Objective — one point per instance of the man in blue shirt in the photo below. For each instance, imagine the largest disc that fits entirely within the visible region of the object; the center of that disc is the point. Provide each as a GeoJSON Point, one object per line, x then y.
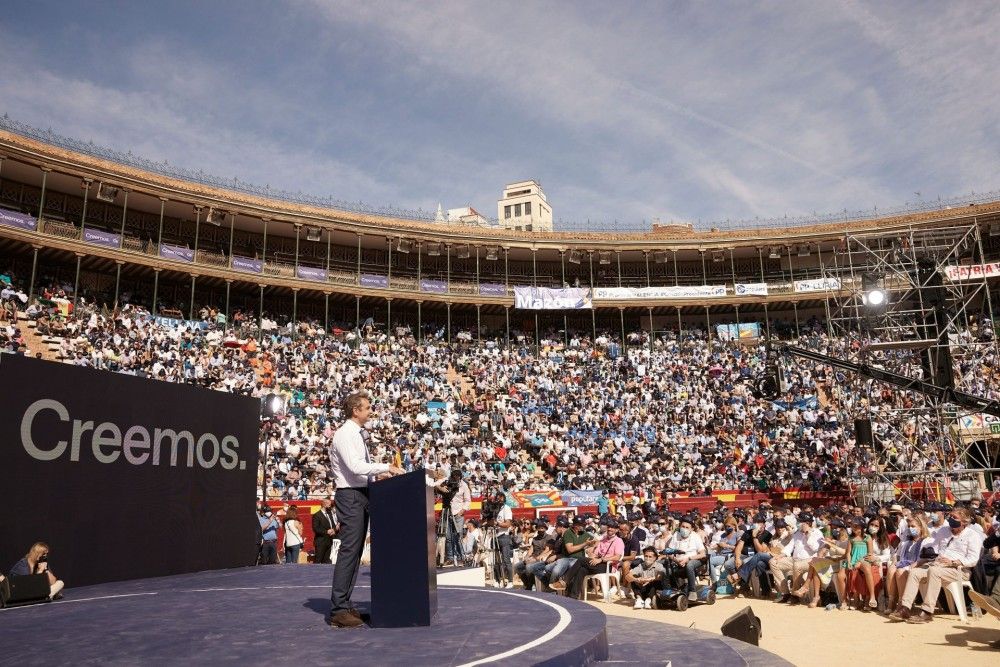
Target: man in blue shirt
{"type": "Point", "coordinates": [602, 503]}
{"type": "Point", "coordinates": [269, 536]}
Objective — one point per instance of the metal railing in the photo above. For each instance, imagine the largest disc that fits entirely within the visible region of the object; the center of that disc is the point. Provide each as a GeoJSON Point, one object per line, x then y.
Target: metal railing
{"type": "Point", "coordinates": [134, 245]}
{"type": "Point", "coordinates": [164, 168]}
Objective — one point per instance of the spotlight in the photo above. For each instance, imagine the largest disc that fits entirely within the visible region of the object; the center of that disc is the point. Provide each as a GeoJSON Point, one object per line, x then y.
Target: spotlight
{"type": "Point", "coordinates": [215, 217]}
{"type": "Point", "coordinates": [573, 257]}
{"type": "Point", "coordinates": [271, 406]}
{"type": "Point", "coordinates": [106, 192]}
{"type": "Point", "coordinates": [767, 386]}
{"type": "Point", "coordinates": [313, 233]}
{"type": "Point", "coordinates": [873, 294]}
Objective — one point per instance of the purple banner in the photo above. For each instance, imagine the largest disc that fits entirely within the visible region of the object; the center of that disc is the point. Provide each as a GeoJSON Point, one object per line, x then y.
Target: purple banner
{"type": "Point", "coordinates": [437, 286]}
{"type": "Point", "coordinates": [99, 237]}
{"type": "Point", "coordinates": [179, 253]}
{"type": "Point", "coordinates": [492, 289]}
{"type": "Point", "coordinates": [368, 280]}
{"type": "Point", "coordinates": [247, 265]}
{"type": "Point", "coordinates": [19, 220]}
{"type": "Point", "coordinates": [311, 273]}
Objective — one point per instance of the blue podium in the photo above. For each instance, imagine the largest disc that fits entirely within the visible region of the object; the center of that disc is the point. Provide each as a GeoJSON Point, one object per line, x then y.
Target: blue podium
{"type": "Point", "coordinates": [403, 545]}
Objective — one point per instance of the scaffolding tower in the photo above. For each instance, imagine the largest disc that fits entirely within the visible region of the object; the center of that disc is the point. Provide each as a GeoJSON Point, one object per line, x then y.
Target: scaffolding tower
{"type": "Point", "coordinates": [932, 324]}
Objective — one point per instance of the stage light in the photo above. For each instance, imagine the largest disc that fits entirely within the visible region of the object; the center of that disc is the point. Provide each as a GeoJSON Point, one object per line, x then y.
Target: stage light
{"type": "Point", "coordinates": [873, 294]}
{"type": "Point", "coordinates": [106, 192]}
{"type": "Point", "coordinates": [215, 217]}
{"type": "Point", "coordinates": [271, 406]}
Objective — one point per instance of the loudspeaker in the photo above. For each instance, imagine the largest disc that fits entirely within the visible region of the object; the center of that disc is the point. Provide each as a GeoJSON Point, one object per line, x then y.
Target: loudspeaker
{"type": "Point", "coordinates": [25, 589]}
{"type": "Point", "coordinates": [743, 625]}
{"type": "Point", "coordinates": [863, 432]}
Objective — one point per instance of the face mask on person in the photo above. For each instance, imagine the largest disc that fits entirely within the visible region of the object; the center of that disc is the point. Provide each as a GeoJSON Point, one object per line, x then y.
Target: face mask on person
{"type": "Point", "coordinates": [267, 514]}
{"type": "Point", "coordinates": [718, 525]}
{"type": "Point", "coordinates": [914, 532]}
{"type": "Point", "coordinates": [954, 523]}
{"type": "Point", "coordinates": [934, 520]}
{"type": "Point", "coordinates": [685, 532]}
{"type": "Point", "coordinates": [873, 530]}
{"type": "Point", "coordinates": [835, 532]}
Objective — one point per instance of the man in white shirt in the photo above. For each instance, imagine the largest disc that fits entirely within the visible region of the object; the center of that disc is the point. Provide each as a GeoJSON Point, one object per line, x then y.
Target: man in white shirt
{"type": "Point", "coordinates": [694, 555]}
{"type": "Point", "coordinates": [792, 566]}
{"type": "Point", "coordinates": [351, 467]}
{"type": "Point", "coordinates": [954, 563]}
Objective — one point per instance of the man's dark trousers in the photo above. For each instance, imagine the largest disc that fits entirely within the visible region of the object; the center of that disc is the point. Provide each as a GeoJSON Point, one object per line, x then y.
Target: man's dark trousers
{"type": "Point", "coordinates": [352, 510]}
{"type": "Point", "coordinates": [323, 544]}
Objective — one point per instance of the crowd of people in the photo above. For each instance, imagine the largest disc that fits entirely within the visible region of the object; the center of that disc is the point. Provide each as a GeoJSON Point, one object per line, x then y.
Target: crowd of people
{"type": "Point", "coordinates": [677, 413]}
{"type": "Point", "coordinates": [876, 558]}
{"type": "Point", "coordinates": [647, 417]}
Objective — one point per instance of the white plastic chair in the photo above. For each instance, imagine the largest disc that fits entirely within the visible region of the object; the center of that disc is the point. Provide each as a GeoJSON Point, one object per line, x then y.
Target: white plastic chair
{"type": "Point", "coordinates": [604, 578]}
{"type": "Point", "coordinates": [955, 595]}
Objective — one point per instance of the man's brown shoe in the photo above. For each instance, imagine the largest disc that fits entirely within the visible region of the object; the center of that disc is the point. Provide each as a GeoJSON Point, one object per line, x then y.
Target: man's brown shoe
{"type": "Point", "coordinates": [345, 619]}
{"type": "Point", "coordinates": [557, 585]}
{"type": "Point", "coordinates": [922, 617]}
{"type": "Point", "coordinates": [901, 614]}
{"type": "Point", "coordinates": [354, 612]}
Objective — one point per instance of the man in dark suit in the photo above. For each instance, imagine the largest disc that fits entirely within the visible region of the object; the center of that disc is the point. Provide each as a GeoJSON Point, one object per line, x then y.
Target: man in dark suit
{"type": "Point", "coordinates": [325, 527]}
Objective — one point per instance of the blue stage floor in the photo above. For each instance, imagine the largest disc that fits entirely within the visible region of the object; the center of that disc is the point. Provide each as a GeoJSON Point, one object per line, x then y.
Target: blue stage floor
{"type": "Point", "coordinates": [275, 615]}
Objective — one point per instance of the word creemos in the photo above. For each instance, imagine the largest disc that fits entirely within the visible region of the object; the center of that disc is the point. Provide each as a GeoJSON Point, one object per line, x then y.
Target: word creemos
{"type": "Point", "coordinates": [108, 443]}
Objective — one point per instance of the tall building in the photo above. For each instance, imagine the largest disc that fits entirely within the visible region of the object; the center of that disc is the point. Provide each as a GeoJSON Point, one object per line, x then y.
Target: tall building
{"type": "Point", "coordinates": [523, 207]}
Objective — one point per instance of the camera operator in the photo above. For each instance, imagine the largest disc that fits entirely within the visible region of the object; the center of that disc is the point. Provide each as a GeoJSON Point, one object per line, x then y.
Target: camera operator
{"type": "Point", "coordinates": [269, 536]}
{"type": "Point", "coordinates": [36, 561]}
{"type": "Point", "coordinates": [456, 498]}
{"type": "Point", "coordinates": [500, 518]}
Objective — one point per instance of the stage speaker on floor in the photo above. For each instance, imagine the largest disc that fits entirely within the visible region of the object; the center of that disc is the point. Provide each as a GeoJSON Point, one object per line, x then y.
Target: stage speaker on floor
{"type": "Point", "coordinates": [863, 432]}
{"type": "Point", "coordinates": [743, 625]}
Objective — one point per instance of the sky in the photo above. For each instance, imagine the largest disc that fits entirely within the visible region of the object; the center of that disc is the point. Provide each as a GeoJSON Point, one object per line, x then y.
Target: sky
{"type": "Point", "coordinates": [624, 112]}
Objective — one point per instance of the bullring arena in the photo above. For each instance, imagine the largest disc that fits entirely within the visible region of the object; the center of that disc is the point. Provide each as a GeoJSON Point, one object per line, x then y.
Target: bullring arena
{"type": "Point", "coordinates": [252, 289]}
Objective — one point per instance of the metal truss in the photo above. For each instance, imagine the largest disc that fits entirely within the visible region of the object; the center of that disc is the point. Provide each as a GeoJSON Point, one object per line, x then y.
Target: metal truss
{"type": "Point", "coordinates": [919, 437]}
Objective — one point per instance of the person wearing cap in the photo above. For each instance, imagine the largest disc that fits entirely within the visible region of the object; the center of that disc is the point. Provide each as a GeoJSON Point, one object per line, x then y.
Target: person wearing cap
{"type": "Point", "coordinates": [535, 548]}
{"type": "Point", "coordinates": [954, 563]}
{"type": "Point", "coordinates": [791, 568]}
{"type": "Point", "coordinates": [693, 554]}
{"type": "Point", "coordinates": [573, 543]}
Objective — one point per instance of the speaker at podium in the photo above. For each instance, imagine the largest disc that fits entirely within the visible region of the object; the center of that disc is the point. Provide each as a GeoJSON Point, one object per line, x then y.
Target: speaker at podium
{"type": "Point", "coordinates": [403, 541]}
